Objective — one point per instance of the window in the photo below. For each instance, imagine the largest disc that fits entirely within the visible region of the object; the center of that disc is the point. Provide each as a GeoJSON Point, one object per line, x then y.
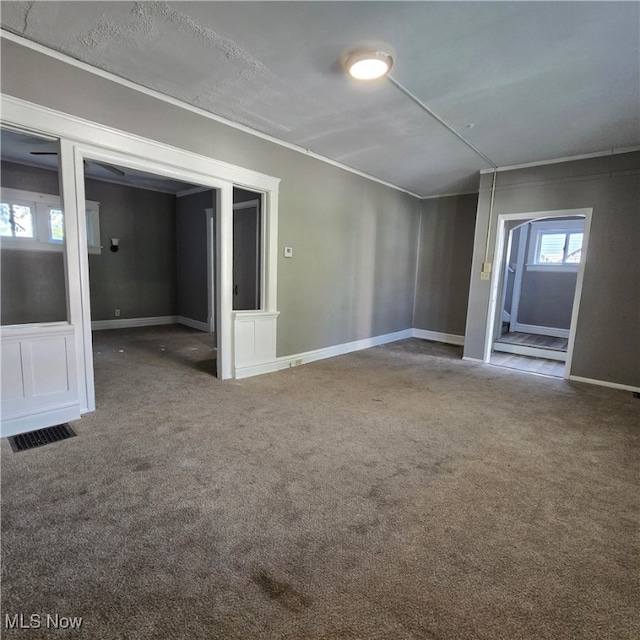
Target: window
{"type": "Point", "coordinates": [16, 220]}
{"type": "Point", "coordinates": [35, 222]}
{"type": "Point", "coordinates": [56, 225]}
{"type": "Point", "coordinates": [555, 245]}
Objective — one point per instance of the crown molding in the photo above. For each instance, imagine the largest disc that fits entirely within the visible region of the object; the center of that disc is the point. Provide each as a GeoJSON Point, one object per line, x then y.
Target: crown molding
{"type": "Point", "coordinates": [583, 156]}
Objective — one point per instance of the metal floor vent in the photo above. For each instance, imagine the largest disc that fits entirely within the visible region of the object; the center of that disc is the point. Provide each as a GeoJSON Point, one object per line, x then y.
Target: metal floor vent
{"type": "Point", "coordinates": [39, 438]}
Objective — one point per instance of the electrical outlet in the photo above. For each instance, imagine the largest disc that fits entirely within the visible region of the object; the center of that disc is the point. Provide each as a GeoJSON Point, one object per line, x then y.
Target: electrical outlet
{"type": "Point", "coordinates": [484, 275]}
{"type": "Point", "coordinates": [117, 313]}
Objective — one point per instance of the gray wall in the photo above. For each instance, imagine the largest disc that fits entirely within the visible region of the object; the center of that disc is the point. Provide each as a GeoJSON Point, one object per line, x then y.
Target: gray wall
{"type": "Point", "coordinates": [546, 299]}
{"type": "Point", "coordinates": [191, 237]}
{"type": "Point", "coordinates": [32, 286]}
{"type": "Point", "coordinates": [607, 341]}
{"type": "Point", "coordinates": [444, 263]}
{"type": "Point", "coordinates": [353, 271]}
{"type": "Point", "coordinates": [140, 279]}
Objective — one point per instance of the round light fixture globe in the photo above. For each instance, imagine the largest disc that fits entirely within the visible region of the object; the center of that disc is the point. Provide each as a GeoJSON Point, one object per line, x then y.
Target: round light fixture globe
{"type": "Point", "coordinates": [369, 65]}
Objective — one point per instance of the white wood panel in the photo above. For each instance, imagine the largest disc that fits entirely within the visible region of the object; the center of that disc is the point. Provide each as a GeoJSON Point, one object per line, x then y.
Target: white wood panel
{"type": "Point", "coordinates": [265, 337]}
{"type": "Point", "coordinates": [12, 385]}
{"type": "Point", "coordinates": [39, 377]}
{"type": "Point", "coordinates": [254, 337]}
{"type": "Point", "coordinates": [49, 367]}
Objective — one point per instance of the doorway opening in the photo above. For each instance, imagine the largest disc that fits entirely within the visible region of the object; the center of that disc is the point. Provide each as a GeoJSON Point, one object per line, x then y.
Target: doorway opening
{"type": "Point", "coordinates": [247, 250]}
{"type": "Point", "coordinates": [151, 284]}
{"type": "Point", "coordinates": [536, 290]}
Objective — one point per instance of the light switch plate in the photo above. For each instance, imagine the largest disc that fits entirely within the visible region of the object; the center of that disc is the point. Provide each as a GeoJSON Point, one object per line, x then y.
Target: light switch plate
{"type": "Point", "coordinates": [288, 252]}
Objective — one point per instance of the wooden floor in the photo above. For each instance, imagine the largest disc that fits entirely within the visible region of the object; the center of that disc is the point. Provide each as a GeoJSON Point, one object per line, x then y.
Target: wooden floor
{"type": "Point", "coordinates": [533, 340]}
{"type": "Point", "coordinates": [525, 363]}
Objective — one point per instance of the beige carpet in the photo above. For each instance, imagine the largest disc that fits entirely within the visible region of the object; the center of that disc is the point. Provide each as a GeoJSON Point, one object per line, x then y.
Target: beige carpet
{"type": "Point", "coordinates": [396, 493]}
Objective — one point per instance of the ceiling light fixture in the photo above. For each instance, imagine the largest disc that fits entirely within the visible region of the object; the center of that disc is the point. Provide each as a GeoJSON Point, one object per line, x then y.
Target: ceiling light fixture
{"type": "Point", "coordinates": [369, 65]}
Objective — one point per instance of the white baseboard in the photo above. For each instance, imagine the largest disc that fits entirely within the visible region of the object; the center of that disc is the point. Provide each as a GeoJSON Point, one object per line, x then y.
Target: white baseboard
{"type": "Point", "coordinates": [552, 332]}
{"type": "Point", "coordinates": [532, 352]}
{"type": "Point", "coordinates": [286, 362]}
{"type": "Point", "coordinates": [604, 383]}
{"type": "Point", "coordinates": [126, 323]}
{"type": "Point", "coordinates": [194, 324]}
{"type": "Point", "coordinates": [23, 424]}
{"type": "Point", "coordinates": [437, 336]}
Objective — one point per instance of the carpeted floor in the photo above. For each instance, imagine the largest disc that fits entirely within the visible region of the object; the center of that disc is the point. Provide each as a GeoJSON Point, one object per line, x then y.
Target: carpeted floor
{"type": "Point", "coordinates": [395, 493]}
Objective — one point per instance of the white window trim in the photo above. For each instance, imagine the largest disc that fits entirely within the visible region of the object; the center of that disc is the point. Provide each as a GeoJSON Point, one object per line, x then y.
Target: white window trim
{"type": "Point", "coordinates": [43, 202]}
{"type": "Point", "coordinates": [551, 226]}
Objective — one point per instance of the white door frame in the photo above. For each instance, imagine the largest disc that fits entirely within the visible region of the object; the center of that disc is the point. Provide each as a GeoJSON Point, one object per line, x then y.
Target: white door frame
{"type": "Point", "coordinates": [497, 274]}
{"type": "Point", "coordinates": [81, 139]}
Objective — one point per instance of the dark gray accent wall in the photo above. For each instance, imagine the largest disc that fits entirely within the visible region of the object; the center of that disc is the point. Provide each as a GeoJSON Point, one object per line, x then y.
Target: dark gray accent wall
{"type": "Point", "coordinates": [32, 286]}
{"type": "Point", "coordinates": [20, 176]}
{"type": "Point", "coordinates": [353, 271]}
{"type": "Point", "coordinates": [140, 279]}
{"type": "Point", "coordinates": [607, 340]}
{"type": "Point", "coordinates": [444, 263]}
{"type": "Point", "coordinates": [191, 237]}
{"type": "Point", "coordinates": [242, 195]}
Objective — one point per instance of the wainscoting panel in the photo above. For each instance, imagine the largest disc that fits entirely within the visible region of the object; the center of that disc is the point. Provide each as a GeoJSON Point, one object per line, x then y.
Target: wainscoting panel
{"type": "Point", "coordinates": [39, 377]}
{"type": "Point", "coordinates": [254, 338]}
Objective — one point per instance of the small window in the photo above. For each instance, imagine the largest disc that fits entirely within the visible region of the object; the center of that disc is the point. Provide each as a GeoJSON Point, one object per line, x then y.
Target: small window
{"type": "Point", "coordinates": [35, 221]}
{"type": "Point", "coordinates": [16, 220]}
{"type": "Point", "coordinates": [558, 248]}
{"type": "Point", "coordinates": [56, 225]}
{"type": "Point", "coordinates": [555, 245]}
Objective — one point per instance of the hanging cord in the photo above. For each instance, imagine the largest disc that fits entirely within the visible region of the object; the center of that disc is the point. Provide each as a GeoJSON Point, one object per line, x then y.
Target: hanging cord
{"type": "Point", "coordinates": [436, 117]}
{"type": "Point", "coordinates": [486, 267]}
{"type": "Point", "coordinates": [493, 195]}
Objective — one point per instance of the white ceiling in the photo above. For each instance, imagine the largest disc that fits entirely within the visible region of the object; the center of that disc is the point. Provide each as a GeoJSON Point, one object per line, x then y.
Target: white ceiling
{"type": "Point", "coordinates": [537, 80]}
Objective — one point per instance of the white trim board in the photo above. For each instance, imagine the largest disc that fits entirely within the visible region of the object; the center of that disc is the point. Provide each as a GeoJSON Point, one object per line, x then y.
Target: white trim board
{"type": "Point", "coordinates": [194, 324]}
{"type": "Point", "coordinates": [128, 323]}
{"type": "Point", "coordinates": [21, 424]}
{"type": "Point", "coordinates": [454, 195]}
{"type": "Point", "coordinates": [581, 156]}
{"type": "Point", "coordinates": [287, 362]}
{"type": "Point", "coordinates": [532, 352]}
{"type": "Point", "coordinates": [185, 105]}
{"type": "Point", "coordinates": [605, 383]}
{"type": "Point", "coordinates": [552, 332]}
{"type": "Point", "coordinates": [437, 336]}
{"type": "Point", "coordinates": [295, 360]}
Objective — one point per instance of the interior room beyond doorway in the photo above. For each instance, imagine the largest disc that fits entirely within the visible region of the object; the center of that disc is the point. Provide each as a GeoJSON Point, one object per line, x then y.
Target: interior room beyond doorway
{"type": "Point", "coordinates": [537, 291]}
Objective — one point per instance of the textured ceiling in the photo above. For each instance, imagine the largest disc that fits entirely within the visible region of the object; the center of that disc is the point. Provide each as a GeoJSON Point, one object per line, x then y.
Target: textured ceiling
{"type": "Point", "coordinates": [522, 81]}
